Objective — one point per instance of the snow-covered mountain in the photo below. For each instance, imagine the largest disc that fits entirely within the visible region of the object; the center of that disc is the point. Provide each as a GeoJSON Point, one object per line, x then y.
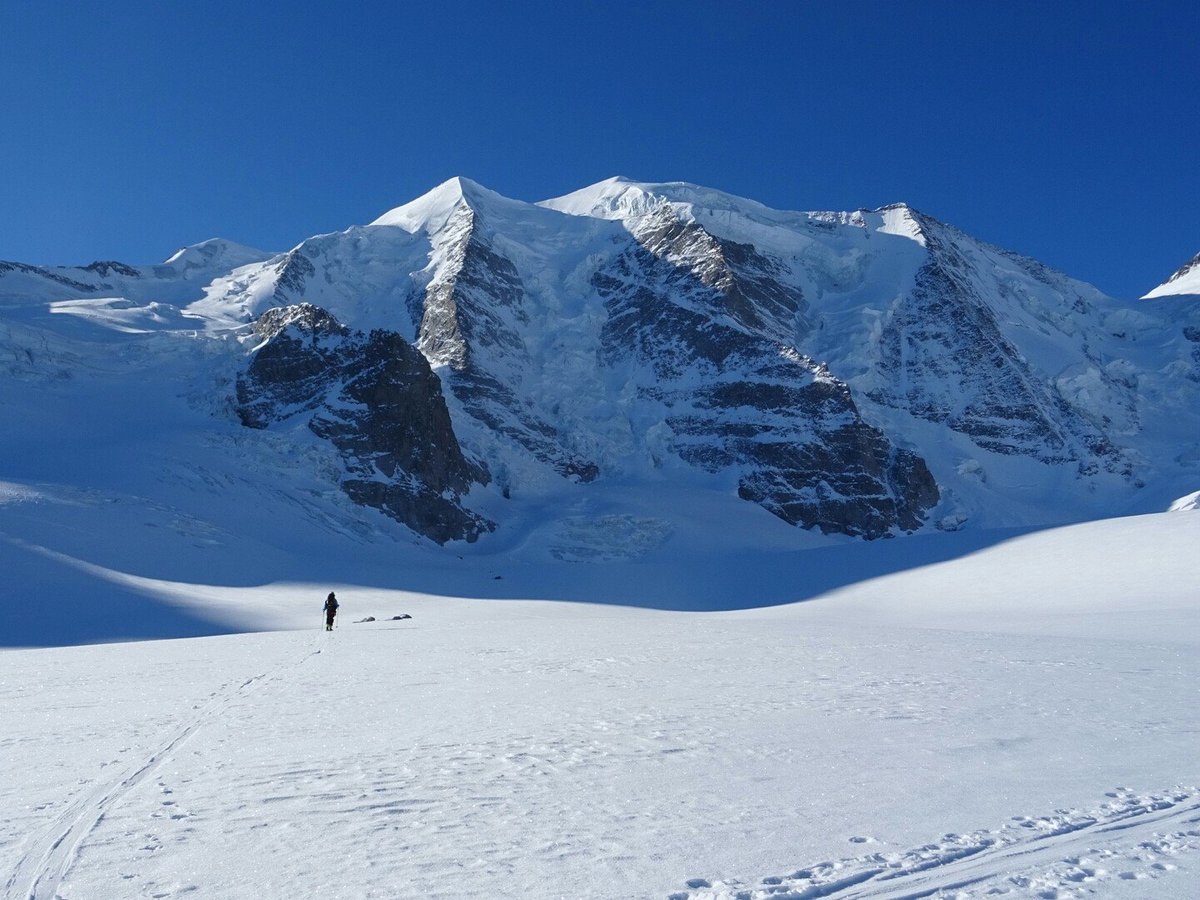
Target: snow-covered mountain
{"type": "Point", "coordinates": [480, 368]}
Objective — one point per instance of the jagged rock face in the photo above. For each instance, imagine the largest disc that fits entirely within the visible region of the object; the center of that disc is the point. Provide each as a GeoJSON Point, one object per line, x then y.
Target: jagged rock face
{"type": "Point", "coordinates": [294, 269]}
{"type": "Point", "coordinates": [681, 307]}
{"type": "Point", "coordinates": [375, 398]}
{"type": "Point", "coordinates": [290, 373]}
{"type": "Point", "coordinates": [943, 357]}
{"type": "Point", "coordinates": [708, 319]}
{"type": "Point", "coordinates": [105, 267]}
{"type": "Point", "coordinates": [809, 458]}
{"type": "Point", "coordinates": [748, 286]}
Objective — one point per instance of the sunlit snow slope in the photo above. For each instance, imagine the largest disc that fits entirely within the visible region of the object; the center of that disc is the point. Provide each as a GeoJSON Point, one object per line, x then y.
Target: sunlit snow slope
{"type": "Point", "coordinates": [1018, 722]}
{"type": "Point", "coordinates": [1185, 281]}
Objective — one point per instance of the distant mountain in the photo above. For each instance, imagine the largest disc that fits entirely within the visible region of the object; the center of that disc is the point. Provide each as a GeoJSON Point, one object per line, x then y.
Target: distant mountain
{"type": "Point", "coordinates": [474, 365]}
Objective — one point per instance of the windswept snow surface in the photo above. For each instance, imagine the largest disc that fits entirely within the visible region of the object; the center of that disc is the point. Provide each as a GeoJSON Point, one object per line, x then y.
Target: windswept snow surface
{"type": "Point", "coordinates": [1019, 721]}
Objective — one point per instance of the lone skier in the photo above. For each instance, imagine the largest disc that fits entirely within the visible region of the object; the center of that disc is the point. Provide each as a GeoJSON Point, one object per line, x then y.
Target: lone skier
{"type": "Point", "coordinates": [331, 608]}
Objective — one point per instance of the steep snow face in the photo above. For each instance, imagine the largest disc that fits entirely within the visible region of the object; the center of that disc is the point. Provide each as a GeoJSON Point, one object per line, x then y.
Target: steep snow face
{"type": "Point", "coordinates": [621, 198]}
{"type": "Point", "coordinates": [902, 221]}
{"type": "Point", "coordinates": [1185, 281]}
{"type": "Point", "coordinates": [431, 211]}
{"type": "Point", "coordinates": [949, 351]}
{"type": "Point", "coordinates": [377, 276]}
{"type": "Point", "coordinates": [362, 276]}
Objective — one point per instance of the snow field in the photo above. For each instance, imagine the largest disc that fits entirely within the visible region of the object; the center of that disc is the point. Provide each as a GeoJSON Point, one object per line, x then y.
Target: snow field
{"type": "Point", "coordinates": [843, 747]}
{"type": "Point", "coordinates": [1031, 855]}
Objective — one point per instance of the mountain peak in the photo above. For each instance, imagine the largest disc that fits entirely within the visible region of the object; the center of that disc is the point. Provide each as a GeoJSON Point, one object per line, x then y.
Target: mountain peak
{"type": "Point", "coordinates": [216, 252]}
{"type": "Point", "coordinates": [902, 220]}
{"type": "Point", "coordinates": [434, 207]}
{"type": "Point", "coordinates": [622, 198]}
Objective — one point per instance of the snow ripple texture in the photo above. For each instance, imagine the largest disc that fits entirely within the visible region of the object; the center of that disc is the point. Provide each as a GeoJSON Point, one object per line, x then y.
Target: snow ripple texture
{"type": "Point", "coordinates": [44, 865]}
{"type": "Point", "coordinates": [1133, 837]}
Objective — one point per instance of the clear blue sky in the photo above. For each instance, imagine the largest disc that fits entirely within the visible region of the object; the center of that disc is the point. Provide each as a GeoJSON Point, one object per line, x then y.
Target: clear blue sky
{"type": "Point", "coordinates": [1070, 132]}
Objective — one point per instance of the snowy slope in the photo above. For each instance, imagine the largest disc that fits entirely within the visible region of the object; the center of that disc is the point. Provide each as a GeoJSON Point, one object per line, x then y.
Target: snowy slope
{"type": "Point", "coordinates": [1184, 282]}
{"type": "Point", "coordinates": [949, 728]}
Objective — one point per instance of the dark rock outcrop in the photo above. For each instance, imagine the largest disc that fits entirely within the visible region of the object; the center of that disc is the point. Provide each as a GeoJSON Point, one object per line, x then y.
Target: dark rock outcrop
{"type": "Point", "coordinates": [943, 357]}
{"type": "Point", "coordinates": [375, 398]}
{"type": "Point", "coordinates": [294, 270]}
{"type": "Point", "coordinates": [704, 328]}
{"type": "Point", "coordinates": [104, 267]}
{"type": "Point", "coordinates": [50, 274]}
{"type": "Point", "coordinates": [701, 317]}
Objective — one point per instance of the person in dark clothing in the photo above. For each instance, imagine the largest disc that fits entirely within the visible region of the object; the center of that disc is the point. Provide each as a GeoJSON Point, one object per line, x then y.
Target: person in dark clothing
{"type": "Point", "coordinates": [331, 608]}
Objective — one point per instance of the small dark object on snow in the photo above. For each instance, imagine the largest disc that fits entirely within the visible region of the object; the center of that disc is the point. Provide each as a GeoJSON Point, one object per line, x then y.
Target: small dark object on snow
{"type": "Point", "coordinates": [367, 619]}
{"type": "Point", "coordinates": [398, 618]}
{"type": "Point", "coordinates": [331, 608]}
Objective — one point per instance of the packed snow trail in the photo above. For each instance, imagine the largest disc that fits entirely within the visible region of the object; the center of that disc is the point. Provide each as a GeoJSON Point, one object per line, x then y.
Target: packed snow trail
{"type": "Point", "coordinates": [1133, 837]}
{"type": "Point", "coordinates": [42, 867]}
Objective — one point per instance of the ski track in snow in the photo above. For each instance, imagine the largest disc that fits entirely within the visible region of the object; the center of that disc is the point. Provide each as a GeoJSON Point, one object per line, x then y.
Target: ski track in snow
{"type": "Point", "coordinates": [45, 863]}
{"type": "Point", "coordinates": [1068, 854]}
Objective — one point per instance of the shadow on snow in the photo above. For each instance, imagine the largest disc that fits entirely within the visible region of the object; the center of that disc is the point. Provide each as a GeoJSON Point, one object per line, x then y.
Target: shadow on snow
{"type": "Point", "coordinates": [66, 600]}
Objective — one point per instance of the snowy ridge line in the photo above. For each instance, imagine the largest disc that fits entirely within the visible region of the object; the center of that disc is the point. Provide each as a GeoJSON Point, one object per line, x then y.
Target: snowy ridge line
{"type": "Point", "coordinates": [45, 863]}
{"type": "Point", "coordinates": [1067, 854]}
